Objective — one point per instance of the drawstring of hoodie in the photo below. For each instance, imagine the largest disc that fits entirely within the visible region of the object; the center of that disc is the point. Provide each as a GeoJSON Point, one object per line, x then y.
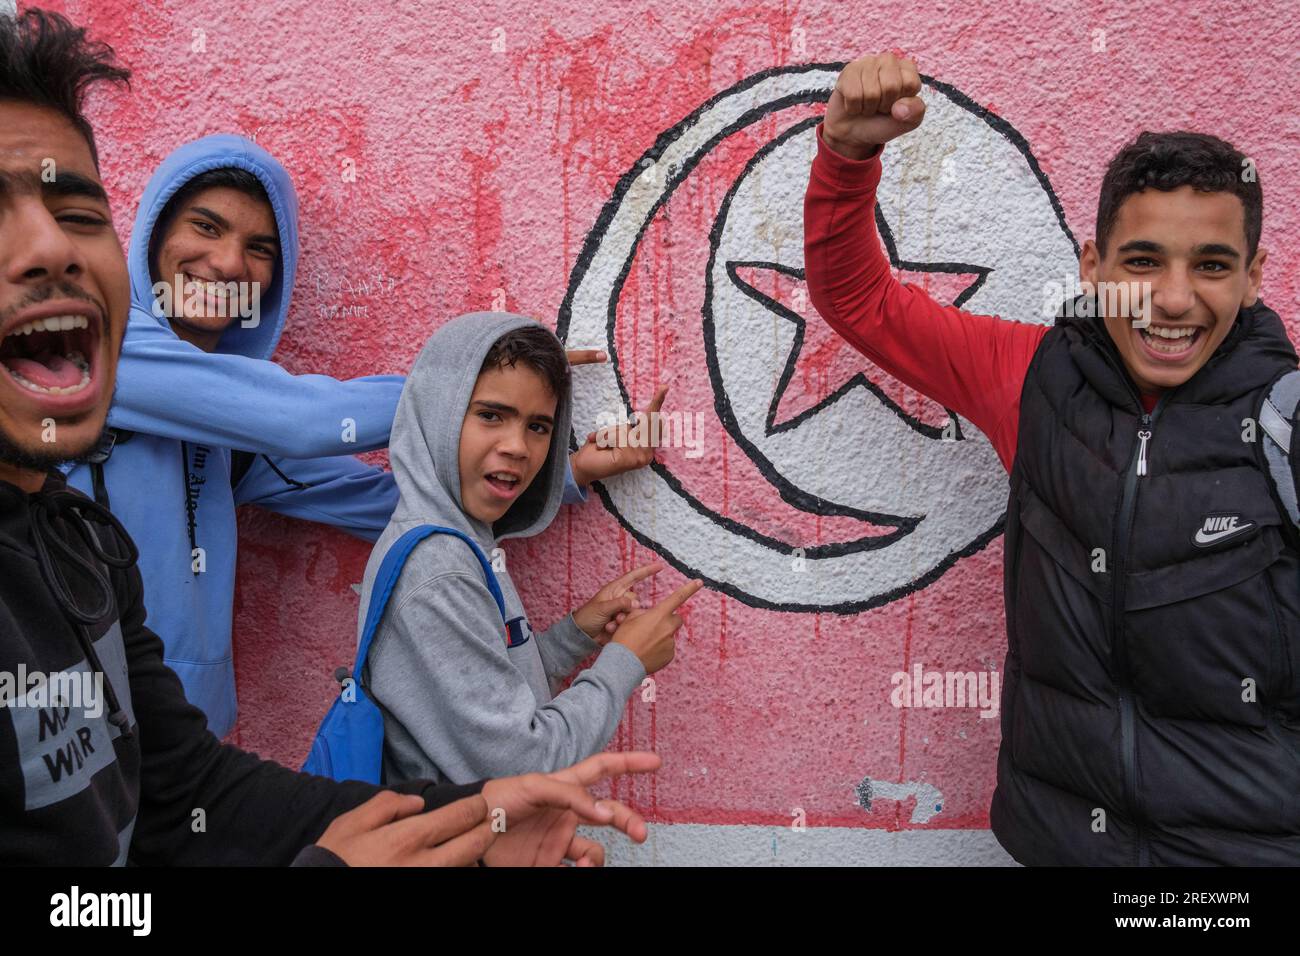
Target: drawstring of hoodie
{"type": "Point", "coordinates": [189, 503]}
{"type": "Point", "coordinates": [54, 553]}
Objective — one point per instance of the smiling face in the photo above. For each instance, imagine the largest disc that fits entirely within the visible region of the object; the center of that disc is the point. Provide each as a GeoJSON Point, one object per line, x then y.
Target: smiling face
{"type": "Point", "coordinates": [64, 293]}
{"type": "Point", "coordinates": [221, 239]}
{"type": "Point", "coordinates": [504, 439]}
{"type": "Point", "coordinates": [1190, 246]}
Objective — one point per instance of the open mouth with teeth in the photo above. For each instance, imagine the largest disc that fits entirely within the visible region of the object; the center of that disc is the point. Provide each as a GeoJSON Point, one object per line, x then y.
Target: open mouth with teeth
{"type": "Point", "coordinates": [504, 483]}
{"type": "Point", "coordinates": [207, 298]}
{"type": "Point", "coordinates": [51, 356]}
{"type": "Point", "coordinates": [1167, 343]}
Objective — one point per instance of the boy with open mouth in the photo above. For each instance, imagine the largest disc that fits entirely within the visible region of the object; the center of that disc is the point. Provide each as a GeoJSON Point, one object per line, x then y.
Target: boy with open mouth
{"type": "Point", "coordinates": [130, 778]}
{"type": "Point", "coordinates": [466, 687]}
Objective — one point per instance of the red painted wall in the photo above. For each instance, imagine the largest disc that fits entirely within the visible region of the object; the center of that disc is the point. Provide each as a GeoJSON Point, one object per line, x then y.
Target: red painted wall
{"type": "Point", "coordinates": [482, 169]}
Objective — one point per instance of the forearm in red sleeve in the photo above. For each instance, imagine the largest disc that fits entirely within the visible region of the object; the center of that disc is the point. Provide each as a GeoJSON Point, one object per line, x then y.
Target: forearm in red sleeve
{"type": "Point", "coordinates": [973, 364]}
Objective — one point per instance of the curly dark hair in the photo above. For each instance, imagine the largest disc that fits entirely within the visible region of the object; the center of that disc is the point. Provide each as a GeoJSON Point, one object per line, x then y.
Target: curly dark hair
{"type": "Point", "coordinates": [47, 61]}
{"type": "Point", "coordinates": [1166, 161]}
{"type": "Point", "coordinates": [538, 348]}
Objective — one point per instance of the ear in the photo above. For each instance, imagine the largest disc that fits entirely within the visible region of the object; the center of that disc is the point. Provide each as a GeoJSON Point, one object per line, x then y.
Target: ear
{"type": "Point", "coordinates": [1254, 277]}
{"type": "Point", "coordinates": [1089, 264]}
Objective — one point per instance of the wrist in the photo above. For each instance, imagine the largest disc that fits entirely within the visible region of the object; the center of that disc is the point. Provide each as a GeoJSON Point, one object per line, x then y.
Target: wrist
{"type": "Point", "coordinates": [857, 152]}
{"type": "Point", "coordinates": [582, 623]}
{"type": "Point", "coordinates": [633, 651]}
{"type": "Point", "coordinates": [579, 474]}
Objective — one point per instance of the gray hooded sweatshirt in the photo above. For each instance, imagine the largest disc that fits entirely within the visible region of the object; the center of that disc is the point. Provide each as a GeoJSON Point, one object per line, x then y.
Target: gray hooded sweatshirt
{"type": "Point", "coordinates": [458, 705]}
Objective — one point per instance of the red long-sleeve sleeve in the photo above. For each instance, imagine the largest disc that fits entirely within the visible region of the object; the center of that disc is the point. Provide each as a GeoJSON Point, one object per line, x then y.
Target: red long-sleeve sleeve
{"type": "Point", "coordinates": [973, 364]}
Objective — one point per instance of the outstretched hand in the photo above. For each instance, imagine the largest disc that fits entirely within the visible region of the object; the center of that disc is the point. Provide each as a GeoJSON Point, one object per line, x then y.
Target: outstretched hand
{"type": "Point", "coordinates": [538, 814]}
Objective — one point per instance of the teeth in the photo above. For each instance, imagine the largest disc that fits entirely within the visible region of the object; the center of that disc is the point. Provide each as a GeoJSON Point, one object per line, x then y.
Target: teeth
{"type": "Point", "coordinates": [56, 323]}
{"type": "Point", "coordinates": [215, 289]}
{"type": "Point", "coordinates": [1167, 340]}
{"type": "Point", "coordinates": [70, 390]}
{"type": "Point", "coordinates": [500, 477]}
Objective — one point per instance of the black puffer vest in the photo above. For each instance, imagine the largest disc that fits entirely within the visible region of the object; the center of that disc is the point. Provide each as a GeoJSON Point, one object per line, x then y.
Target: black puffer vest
{"type": "Point", "coordinates": [1150, 703]}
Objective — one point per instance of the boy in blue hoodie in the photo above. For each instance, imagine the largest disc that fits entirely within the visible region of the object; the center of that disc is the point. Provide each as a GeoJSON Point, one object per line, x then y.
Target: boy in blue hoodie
{"type": "Point", "coordinates": [468, 689]}
{"type": "Point", "coordinates": [102, 760]}
{"type": "Point", "coordinates": [212, 261]}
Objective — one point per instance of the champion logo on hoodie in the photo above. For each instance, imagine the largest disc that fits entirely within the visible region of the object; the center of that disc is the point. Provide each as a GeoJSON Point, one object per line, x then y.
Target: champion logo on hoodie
{"type": "Point", "coordinates": [1220, 527]}
{"type": "Point", "coordinates": [518, 632]}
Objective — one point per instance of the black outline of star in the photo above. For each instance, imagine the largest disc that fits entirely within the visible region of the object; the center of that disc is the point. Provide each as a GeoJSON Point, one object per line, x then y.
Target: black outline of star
{"type": "Point", "coordinates": [770, 424]}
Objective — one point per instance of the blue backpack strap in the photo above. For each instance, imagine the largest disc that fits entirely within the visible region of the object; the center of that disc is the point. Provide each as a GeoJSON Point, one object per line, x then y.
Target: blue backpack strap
{"type": "Point", "coordinates": [488, 573]}
{"type": "Point", "coordinates": [390, 569]}
{"type": "Point", "coordinates": [1277, 419]}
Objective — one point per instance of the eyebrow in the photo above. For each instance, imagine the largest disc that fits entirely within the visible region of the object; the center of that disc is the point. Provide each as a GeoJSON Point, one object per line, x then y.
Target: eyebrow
{"type": "Point", "coordinates": [511, 410]}
{"type": "Point", "coordinates": [223, 223]}
{"type": "Point", "coordinates": [64, 184]}
{"type": "Point", "coordinates": [1204, 249]}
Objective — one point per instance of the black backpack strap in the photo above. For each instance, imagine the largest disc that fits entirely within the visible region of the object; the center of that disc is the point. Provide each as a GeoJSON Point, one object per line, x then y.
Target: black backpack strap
{"type": "Point", "coordinates": [240, 462]}
{"type": "Point", "coordinates": [103, 451]}
{"type": "Point", "coordinates": [1277, 419]}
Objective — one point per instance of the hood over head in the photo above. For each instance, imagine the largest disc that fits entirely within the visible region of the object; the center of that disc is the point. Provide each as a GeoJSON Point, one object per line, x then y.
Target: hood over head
{"type": "Point", "coordinates": [425, 444]}
{"type": "Point", "coordinates": [222, 151]}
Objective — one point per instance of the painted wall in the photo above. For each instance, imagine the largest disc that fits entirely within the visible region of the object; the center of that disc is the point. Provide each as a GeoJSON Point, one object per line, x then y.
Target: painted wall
{"type": "Point", "coordinates": [633, 174]}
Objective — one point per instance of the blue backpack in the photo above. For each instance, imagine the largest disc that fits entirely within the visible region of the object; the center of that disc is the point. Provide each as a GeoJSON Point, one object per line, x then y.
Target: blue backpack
{"type": "Point", "coordinates": [350, 742]}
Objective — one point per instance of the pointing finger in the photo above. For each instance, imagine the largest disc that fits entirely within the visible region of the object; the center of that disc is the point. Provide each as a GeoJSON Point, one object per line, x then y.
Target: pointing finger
{"type": "Point", "coordinates": [639, 574]}
{"type": "Point", "coordinates": [611, 764]}
{"type": "Point", "coordinates": [679, 597]}
{"type": "Point", "coordinates": [586, 356]}
{"type": "Point", "coordinates": [657, 402]}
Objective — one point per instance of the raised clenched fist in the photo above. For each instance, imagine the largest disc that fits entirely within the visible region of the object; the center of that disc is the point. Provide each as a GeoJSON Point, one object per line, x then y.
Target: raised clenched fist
{"type": "Point", "coordinates": [875, 100]}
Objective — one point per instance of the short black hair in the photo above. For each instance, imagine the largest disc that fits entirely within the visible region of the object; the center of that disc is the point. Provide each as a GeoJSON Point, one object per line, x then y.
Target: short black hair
{"type": "Point", "coordinates": [538, 348]}
{"type": "Point", "coordinates": [1167, 161]}
{"type": "Point", "coordinates": [46, 61]}
{"type": "Point", "coordinates": [230, 177]}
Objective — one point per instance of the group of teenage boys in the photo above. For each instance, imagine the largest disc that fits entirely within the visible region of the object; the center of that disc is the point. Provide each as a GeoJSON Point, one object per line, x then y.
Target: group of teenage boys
{"type": "Point", "coordinates": [140, 406]}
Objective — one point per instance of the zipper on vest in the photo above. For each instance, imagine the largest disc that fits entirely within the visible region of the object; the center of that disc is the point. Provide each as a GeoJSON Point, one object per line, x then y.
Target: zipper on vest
{"type": "Point", "coordinates": [1123, 532]}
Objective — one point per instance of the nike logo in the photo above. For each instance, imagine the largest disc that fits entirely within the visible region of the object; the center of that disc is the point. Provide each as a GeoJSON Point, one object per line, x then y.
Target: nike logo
{"type": "Point", "coordinates": [1217, 527]}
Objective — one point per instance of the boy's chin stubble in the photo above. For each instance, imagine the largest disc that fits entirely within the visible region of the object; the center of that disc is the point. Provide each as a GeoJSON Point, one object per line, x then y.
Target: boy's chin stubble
{"type": "Point", "coordinates": [46, 458]}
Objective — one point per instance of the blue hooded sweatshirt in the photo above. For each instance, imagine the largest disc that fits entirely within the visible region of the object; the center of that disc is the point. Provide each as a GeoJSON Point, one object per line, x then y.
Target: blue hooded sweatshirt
{"type": "Point", "coordinates": [180, 410]}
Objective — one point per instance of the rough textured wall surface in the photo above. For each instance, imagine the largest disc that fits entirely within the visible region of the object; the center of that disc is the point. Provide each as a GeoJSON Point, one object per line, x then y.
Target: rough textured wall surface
{"type": "Point", "coordinates": [633, 174]}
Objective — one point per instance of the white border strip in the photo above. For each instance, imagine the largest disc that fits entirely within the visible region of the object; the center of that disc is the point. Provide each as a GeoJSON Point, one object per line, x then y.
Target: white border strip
{"type": "Point", "coordinates": [696, 844]}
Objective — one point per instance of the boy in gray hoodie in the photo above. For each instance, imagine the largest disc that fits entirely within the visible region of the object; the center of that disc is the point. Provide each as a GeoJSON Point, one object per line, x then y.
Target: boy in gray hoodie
{"type": "Point", "coordinates": [478, 445]}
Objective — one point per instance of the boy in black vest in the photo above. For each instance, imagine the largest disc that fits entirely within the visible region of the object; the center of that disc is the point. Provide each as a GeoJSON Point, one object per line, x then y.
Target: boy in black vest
{"type": "Point", "coordinates": [1150, 704]}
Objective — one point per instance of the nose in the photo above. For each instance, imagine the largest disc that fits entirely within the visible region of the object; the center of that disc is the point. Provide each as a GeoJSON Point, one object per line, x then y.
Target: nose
{"type": "Point", "coordinates": [45, 251]}
{"type": "Point", "coordinates": [227, 260]}
{"type": "Point", "coordinates": [1172, 293]}
{"type": "Point", "coordinates": [512, 443]}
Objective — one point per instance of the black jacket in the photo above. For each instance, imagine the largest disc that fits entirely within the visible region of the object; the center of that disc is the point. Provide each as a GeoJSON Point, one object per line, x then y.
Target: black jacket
{"type": "Point", "coordinates": [1150, 706]}
{"type": "Point", "coordinates": [133, 775]}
